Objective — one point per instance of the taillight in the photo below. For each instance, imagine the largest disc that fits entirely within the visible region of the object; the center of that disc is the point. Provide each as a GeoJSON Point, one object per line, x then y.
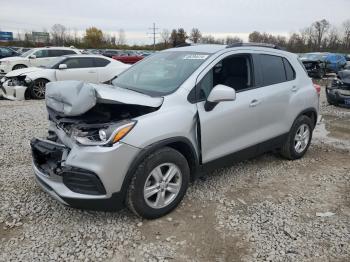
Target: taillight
{"type": "Point", "coordinates": [318, 89]}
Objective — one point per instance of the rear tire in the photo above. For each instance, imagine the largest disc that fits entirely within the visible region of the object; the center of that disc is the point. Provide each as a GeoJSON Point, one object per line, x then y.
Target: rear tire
{"type": "Point", "coordinates": [159, 184]}
{"type": "Point", "coordinates": [299, 139]}
{"type": "Point", "coordinates": [37, 90]}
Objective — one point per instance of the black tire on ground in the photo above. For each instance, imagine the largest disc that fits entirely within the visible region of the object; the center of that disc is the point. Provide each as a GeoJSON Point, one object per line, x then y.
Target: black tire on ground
{"type": "Point", "coordinates": [288, 149]}
{"type": "Point", "coordinates": [135, 199]}
{"type": "Point", "coordinates": [19, 67]}
{"type": "Point", "coordinates": [37, 90]}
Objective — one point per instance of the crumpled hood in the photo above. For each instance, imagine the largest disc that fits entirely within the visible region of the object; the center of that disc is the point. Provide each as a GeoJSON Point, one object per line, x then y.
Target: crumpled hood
{"type": "Point", "coordinates": [73, 98]}
{"type": "Point", "coordinates": [23, 71]}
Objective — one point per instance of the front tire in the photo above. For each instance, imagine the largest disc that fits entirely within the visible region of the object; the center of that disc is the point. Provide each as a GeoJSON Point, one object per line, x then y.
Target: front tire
{"type": "Point", "coordinates": [159, 184]}
{"type": "Point", "coordinates": [299, 139]}
{"type": "Point", "coordinates": [37, 91]}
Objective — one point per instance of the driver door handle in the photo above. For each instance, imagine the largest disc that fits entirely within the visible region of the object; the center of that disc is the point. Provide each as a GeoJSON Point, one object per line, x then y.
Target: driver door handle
{"type": "Point", "coordinates": [254, 103]}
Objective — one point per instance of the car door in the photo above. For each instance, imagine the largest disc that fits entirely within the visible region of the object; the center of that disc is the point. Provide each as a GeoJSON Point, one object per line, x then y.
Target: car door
{"type": "Point", "coordinates": [41, 58]}
{"type": "Point", "coordinates": [231, 125]}
{"type": "Point", "coordinates": [278, 89]}
{"type": "Point", "coordinates": [78, 68]}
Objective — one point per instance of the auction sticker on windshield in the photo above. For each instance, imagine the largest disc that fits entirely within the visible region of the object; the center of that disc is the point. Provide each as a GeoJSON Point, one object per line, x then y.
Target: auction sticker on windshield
{"type": "Point", "coordinates": [195, 57]}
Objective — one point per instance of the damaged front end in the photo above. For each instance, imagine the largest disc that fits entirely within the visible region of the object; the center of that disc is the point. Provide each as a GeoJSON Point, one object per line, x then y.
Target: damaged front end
{"type": "Point", "coordinates": [83, 156]}
{"type": "Point", "coordinates": [15, 87]}
{"type": "Point", "coordinates": [314, 68]}
{"type": "Point", "coordinates": [338, 91]}
{"type": "Point", "coordinates": [96, 114]}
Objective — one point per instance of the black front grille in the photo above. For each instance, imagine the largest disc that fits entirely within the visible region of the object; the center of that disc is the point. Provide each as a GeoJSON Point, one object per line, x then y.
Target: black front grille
{"type": "Point", "coordinates": [83, 182]}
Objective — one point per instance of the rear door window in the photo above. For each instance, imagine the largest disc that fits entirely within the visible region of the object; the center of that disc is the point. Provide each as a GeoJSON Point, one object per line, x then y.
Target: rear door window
{"type": "Point", "coordinates": [272, 68]}
{"type": "Point", "coordinates": [101, 62]}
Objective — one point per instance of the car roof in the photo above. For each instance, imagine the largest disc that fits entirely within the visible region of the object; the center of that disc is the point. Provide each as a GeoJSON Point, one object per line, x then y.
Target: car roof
{"type": "Point", "coordinates": [55, 47]}
{"type": "Point", "coordinates": [204, 48]}
{"type": "Point", "coordinates": [214, 48]}
{"type": "Point", "coordinates": [89, 56]}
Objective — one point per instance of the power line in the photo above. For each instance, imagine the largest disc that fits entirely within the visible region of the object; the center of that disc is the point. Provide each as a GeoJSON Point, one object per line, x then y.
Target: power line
{"type": "Point", "coordinates": [154, 34]}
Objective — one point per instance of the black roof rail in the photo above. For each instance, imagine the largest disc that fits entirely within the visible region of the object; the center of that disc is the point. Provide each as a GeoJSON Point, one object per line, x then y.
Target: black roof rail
{"type": "Point", "coordinates": [183, 45]}
{"type": "Point", "coordinates": [254, 44]}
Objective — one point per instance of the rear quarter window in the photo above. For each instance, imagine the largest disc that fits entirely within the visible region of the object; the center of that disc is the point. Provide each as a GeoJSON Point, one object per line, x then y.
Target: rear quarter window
{"type": "Point", "coordinates": [101, 62]}
{"type": "Point", "coordinates": [290, 72]}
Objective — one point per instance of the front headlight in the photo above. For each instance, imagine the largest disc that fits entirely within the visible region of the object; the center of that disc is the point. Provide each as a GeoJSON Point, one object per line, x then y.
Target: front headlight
{"type": "Point", "coordinates": [107, 136]}
{"type": "Point", "coordinates": [27, 80]}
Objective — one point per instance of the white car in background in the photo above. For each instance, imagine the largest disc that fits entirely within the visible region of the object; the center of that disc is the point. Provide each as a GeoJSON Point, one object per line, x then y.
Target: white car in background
{"type": "Point", "coordinates": [30, 82]}
{"type": "Point", "coordinates": [34, 57]}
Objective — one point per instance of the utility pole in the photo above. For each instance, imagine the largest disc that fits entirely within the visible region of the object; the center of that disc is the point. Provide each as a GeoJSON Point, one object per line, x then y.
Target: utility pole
{"type": "Point", "coordinates": [154, 34]}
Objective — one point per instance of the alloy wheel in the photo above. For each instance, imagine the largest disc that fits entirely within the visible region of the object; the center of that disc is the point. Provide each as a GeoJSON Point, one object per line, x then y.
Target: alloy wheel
{"type": "Point", "coordinates": [301, 139]}
{"type": "Point", "coordinates": [162, 185]}
{"type": "Point", "coordinates": [39, 89]}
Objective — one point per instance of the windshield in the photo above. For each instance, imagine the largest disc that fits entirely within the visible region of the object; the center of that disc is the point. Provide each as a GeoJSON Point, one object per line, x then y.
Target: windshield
{"type": "Point", "coordinates": [29, 52]}
{"type": "Point", "coordinates": [161, 73]}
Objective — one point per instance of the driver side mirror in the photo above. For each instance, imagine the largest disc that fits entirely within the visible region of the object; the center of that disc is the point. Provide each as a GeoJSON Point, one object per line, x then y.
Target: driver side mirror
{"type": "Point", "coordinates": [62, 66]}
{"type": "Point", "coordinates": [219, 93]}
{"type": "Point", "coordinates": [32, 56]}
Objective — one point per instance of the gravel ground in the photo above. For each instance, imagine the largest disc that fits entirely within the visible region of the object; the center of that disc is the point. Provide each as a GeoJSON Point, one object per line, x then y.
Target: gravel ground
{"type": "Point", "coordinates": [265, 209]}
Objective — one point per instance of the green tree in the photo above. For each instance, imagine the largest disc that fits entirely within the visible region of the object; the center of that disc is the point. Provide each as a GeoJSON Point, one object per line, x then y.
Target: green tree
{"type": "Point", "coordinates": [93, 37]}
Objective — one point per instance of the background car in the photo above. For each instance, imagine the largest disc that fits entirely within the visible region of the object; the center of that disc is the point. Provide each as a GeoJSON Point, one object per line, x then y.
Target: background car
{"type": "Point", "coordinates": [110, 52]}
{"type": "Point", "coordinates": [315, 64]}
{"type": "Point", "coordinates": [30, 82]}
{"type": "Point", "coordinates": [338, 91]}
{"type": "Point", "coordinates": [7, 52]}
{"type": "Point", "coordinates": [34, 57]}
{"type": "Point", "coordinates": [335, 62]}
{"type": "Point", "coordinates": [128, 57]}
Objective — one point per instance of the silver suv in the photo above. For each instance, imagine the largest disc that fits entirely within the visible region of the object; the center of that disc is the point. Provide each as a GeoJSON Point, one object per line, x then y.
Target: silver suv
{"type": "Point", "coordinates": [168, 119]}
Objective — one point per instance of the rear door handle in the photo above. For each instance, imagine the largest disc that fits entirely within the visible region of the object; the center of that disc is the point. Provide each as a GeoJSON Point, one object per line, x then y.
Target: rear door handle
{"type": "Point", "coordinates": [254, 103]}
{"type": "Point", "coordinates": [295, 88]}
{"type": "Point", "coordinates": [91, 72]}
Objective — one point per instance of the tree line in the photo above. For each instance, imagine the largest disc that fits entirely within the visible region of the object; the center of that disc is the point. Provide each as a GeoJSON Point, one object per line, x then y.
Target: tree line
{"type": "Point", "coordinates": [319, 36]}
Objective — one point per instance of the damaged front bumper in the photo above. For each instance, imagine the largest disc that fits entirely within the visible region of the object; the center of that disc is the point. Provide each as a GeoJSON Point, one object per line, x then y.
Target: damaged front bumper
{"type": "Point", "coordinates": [338, 94]}
{"type": "Point", "coordinates": [13, 89]}
{"type": "Point", "coordinates": [89, 177]}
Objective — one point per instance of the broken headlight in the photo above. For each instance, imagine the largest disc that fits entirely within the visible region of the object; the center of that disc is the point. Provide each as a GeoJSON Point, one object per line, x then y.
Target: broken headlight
{"type": "Point", "coordinates": [28, 80]}
{"type": "Point", "coordinates": [106, 136]}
